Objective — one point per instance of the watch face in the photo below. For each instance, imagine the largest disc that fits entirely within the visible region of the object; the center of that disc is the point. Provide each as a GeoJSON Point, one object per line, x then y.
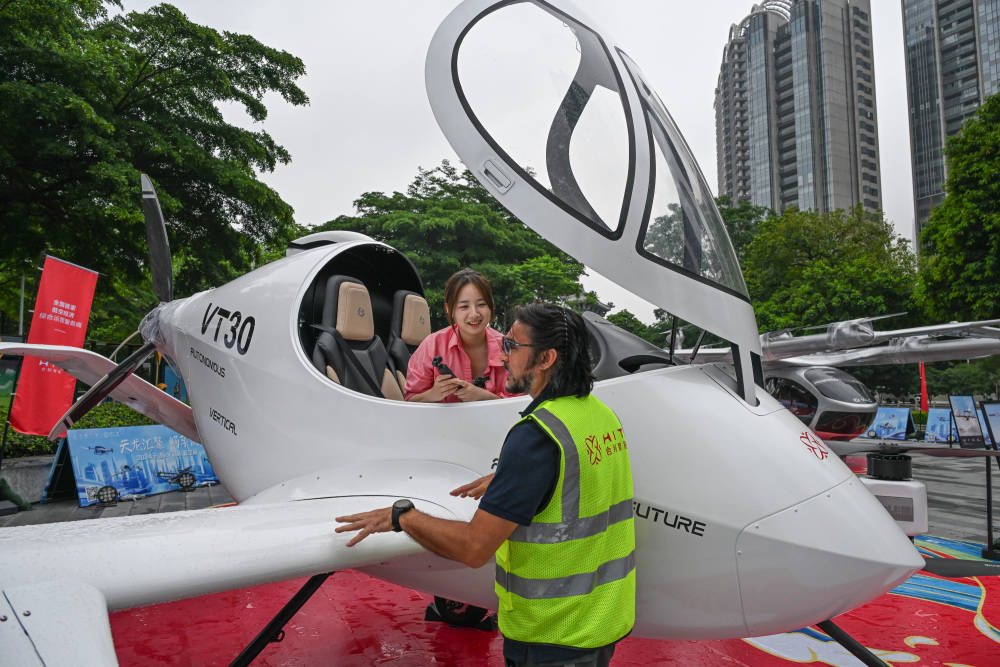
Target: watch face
{"type": "Point", "coordinates": [398, 507]}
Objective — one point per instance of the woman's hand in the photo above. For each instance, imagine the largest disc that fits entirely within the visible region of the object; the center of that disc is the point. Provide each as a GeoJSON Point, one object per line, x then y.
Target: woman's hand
{"type": "Point", "coordinates": [444, 386]}
{"type": "Point", "coordinates": [474, 489]}
{"type": "Point", "coordinates": [469, 392]}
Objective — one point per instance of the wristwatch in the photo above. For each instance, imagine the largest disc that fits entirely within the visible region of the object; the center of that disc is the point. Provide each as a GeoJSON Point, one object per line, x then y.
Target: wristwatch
{"type": "Point", "coordinates": [398, 508]}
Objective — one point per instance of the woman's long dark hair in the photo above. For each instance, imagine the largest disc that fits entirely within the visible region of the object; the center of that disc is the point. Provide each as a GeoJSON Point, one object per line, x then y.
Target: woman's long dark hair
{"type": "Point", "coordinates": [562, 330]}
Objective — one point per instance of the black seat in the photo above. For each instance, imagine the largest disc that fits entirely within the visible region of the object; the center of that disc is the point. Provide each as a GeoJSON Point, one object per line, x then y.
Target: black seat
{"type": "Point", "coordinates": [411, 323]}
{"type": "Point", "coordinates": [347, 349]}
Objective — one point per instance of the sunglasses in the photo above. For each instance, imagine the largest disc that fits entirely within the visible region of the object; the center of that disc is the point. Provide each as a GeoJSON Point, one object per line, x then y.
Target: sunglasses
{"type": "Point", "coordinates": [508, 344]}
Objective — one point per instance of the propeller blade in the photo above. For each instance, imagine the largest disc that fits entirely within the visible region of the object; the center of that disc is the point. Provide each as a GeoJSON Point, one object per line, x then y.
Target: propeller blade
{"type": "Point", "coordinates": [101, 389]}
{"type": "Point", "coordinates": [956, 568]}
{"type": "Point", "coordinates": [159, 246]}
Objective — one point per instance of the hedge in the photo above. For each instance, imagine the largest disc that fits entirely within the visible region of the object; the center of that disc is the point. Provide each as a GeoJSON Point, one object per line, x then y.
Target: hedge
{"type": "Point", "coordinates": [106, 415]}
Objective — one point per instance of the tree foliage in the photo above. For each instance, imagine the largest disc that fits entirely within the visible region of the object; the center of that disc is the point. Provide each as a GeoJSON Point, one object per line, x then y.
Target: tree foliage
{"type": "Point", "coordinates": [979, 377]}
{"type": "Point", "coordinates": [446, 221]}
{"type": "Point", "coordinates": [88, 101]}
{"type": "Point", "coordinates": [807, 268]}
{"type": "Point", "coordinates": [742, 221]}
{"type": "Point", "coordinates": [960, 245]}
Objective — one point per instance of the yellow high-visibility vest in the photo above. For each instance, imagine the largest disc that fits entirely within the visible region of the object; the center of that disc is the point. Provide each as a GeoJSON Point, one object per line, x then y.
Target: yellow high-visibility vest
{"type": "Point", "coordinates": [568, 578]}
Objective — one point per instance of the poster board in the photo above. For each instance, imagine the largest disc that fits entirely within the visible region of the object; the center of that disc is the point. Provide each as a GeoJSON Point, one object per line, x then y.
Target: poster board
{"type": "Point", "coordinates": [986, 430]}
{"type": "Point", "coordinates": [970, 433]}
{"type": "Point", "coordinates": [135, 461]}
{"type": "Point", "coordinates": [991, 414]}
{"type": "Point", "coordinates": [890, 424]}
{"type": "Point", "coordinates": [8, 372]}
{"type": "Point", "coordinates": [940, 426]}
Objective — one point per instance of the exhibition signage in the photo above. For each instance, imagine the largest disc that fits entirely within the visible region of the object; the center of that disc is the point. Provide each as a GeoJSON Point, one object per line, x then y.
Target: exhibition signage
{"type": "Point", "coordinates": [970, 433]}
{"type": "Point", "coordinates": [134, 461]}
{"type": "Point", "coordinates": [8, 371]}
{"type": "Point", "coordinates": [890, 423]}
{"type": "Point", "coordinates": [991, 412]}
{"type": "Point", "coordinates": [939, 425]}
{"type": "Point", "coordinates": [62, 308]}
{"type": "Point", "coordinates": [982, 424]}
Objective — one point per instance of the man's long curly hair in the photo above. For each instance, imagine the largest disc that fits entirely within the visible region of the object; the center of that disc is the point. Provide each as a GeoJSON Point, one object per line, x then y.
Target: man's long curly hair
{"type": "Point", "coordinates": [561, 329]}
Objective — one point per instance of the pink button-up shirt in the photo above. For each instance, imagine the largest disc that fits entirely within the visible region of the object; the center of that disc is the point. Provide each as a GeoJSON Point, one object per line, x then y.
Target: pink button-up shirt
{"type": "Point", "coordinates": [447, 344]}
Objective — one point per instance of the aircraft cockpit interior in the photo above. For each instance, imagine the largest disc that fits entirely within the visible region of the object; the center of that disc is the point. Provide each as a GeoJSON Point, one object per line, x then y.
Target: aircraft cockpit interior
{"type": "Point", "coordinates": [364, 313]}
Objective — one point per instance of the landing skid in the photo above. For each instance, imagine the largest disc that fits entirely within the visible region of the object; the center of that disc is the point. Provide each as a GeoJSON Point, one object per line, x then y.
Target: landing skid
{"type": "Point", "coordinates": [851, 644]}
{"type": "Point", "coordinates": [274, 630]}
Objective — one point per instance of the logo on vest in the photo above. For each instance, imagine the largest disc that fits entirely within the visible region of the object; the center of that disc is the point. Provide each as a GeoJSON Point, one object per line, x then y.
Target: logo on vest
{"type": "Point", "coordinates": [593, 449]}
{"type": "Point", "coordinates": [599, 446]}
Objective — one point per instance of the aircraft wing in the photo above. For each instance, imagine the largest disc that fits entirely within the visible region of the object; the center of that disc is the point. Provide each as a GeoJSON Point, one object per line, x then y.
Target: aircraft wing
{"type": "Point", "coordinates": [901, 351]}
{"type": "Point", "coordinates": [980, 328]}
{"type": "Point", "coordinates": [141, 396]}
{"type": "Point", "coordinates": [69, 575]}
{"type": "Point", "coordinates": [55, 623]}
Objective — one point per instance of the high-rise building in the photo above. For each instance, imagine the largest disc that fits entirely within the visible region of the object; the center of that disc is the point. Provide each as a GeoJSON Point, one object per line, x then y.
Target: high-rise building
{"type": "Point", "coordinates": [795, 107]}
{"type": "Point", "coordinates": [952, 65]}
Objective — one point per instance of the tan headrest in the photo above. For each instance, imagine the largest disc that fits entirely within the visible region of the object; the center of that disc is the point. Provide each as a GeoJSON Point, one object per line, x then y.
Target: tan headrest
{"type": "Point", "coordinates": [416, 324]}
{"type": "Point", "coordinates": [354, 312]}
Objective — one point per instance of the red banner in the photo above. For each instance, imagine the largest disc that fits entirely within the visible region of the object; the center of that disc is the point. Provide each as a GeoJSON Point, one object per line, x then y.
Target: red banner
{"type": "Point", "coordinates": [62, 309]}
{"type": "Point", "coordinates": [923, 388]}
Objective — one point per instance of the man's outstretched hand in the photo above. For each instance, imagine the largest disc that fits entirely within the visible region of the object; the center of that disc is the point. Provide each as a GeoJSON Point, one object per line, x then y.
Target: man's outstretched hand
{"type": "Point", "coordinates": [374, 521]}
{"type": "Point", "coordinates": [474, 489]}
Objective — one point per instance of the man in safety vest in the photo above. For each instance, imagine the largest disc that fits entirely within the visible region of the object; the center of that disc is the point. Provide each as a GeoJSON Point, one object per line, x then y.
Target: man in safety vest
{"type": "Point", "coordinates": [557, 514]}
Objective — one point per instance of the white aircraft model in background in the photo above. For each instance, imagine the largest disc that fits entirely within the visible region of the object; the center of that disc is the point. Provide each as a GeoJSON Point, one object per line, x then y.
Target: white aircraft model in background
{"type": "Point", "coordinates": [746, 524]}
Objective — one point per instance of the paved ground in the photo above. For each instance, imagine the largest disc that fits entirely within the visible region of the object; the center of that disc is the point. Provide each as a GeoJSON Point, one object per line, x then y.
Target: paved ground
{"type": "Point", "coordinates": [70, 510]}
{"type": "Point", "coordinates": [956, 496]}
{"type": "Point", "coordinates": [956, 491]}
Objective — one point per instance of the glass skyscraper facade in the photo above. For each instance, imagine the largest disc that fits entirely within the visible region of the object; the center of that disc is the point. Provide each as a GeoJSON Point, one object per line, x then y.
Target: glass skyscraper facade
{"type": "Point", "coordinates": [795, 107]}
{"type": "Point", "coordinates": [952, 50]}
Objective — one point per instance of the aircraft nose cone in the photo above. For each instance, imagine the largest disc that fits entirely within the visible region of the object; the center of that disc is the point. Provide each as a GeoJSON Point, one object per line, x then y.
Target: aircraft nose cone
{"type": "Point", "coordinates": [819, 558]}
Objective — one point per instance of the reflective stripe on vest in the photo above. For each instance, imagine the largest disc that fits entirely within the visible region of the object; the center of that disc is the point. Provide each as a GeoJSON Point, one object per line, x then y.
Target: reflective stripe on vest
{"type": "Point", "coordinates": [574, 529]}
{"type": "Point", "coordinates": [574, 584]}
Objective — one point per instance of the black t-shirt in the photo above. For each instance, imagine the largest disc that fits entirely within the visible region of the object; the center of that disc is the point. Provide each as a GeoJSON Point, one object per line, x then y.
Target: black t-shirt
{"type": "Point", "coordinates": [524, 481]}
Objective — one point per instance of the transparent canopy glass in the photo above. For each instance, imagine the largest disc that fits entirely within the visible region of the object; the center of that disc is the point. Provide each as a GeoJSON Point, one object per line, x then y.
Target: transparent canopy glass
{"type": "Point", "coordinates": [557, 114]}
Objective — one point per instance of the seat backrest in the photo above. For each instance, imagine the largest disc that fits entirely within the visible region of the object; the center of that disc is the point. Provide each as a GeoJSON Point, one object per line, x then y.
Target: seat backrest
{"type": "Point", "coordinates": [356, 358]}
{"type": "Point", "coordinates": [411, 323]}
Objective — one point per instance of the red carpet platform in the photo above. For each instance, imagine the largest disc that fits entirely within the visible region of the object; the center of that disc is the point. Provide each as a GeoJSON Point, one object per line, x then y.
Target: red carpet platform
{"type": "Point", "coordinates": [355, 621]}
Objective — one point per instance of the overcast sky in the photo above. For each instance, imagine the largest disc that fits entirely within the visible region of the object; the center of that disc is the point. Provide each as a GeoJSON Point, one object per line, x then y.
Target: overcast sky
{"type": "Point", "coordinates": [369, 126]}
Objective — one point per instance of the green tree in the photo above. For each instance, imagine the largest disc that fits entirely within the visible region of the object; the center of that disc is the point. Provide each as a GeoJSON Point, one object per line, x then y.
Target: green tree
{"type": "Point", "coordinates": [957, 378]}
{"type": "Point", "coordinates": [900, 381]}
{"type": "Point", "coordinates": [743, 221]}
{"type": "Point", "coordinates": [629, 322]}
{"type": "Point", "coordinates": [88, 101]}
{"type": "Point", "coordinates": [960, 245]}
{"type": "Point", "coordinates": [446, 221]}
{"type": "Point", "coordinates": [806, 268]}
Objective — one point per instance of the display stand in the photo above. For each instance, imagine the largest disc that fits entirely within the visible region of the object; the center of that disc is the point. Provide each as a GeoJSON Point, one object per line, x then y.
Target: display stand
{"type": "Point", "coordinates": [991, 413]}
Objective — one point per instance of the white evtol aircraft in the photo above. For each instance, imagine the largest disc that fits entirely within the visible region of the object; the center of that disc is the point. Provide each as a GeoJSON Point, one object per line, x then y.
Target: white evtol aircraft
{"type": "Point", "coordinates": [746, 524]}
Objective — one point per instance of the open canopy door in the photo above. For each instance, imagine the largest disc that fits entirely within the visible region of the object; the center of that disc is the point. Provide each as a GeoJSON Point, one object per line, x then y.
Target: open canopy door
{"type": "Point", "coordinates": [562, 128]}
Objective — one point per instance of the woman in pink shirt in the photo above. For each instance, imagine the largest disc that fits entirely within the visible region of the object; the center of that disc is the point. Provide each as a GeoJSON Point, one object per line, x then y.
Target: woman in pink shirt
{"type": "Point", "coordinates": [469, 347]}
